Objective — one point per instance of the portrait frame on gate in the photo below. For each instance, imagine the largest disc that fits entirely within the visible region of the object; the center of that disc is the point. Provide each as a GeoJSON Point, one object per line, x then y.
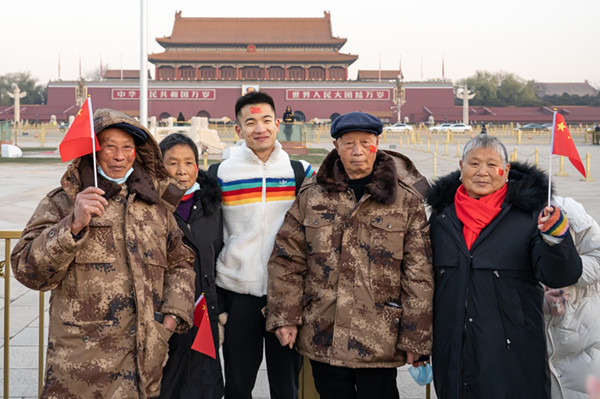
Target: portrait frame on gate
{"type": "Point", "coordinates": [250, 87]}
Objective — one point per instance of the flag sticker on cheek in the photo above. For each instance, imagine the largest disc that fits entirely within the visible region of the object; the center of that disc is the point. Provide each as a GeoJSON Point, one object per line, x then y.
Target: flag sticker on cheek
{"type": "Point", "coordinates": [499, 171]}
{"type": "Point", "coordinates": [372, 148]}
{"type": "Point", "coordinates": [195, 167]}
{"type": "Point", "coordinates": [255, 110]}
{"type": "Point", "coordinates": [134, 152]}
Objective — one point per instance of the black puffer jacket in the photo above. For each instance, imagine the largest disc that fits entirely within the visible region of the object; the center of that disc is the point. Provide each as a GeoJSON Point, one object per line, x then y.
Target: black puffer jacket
{"type": "Point", "coordinates": [191, 374]}
{"type": "Point", "coordinates": [488, 324]}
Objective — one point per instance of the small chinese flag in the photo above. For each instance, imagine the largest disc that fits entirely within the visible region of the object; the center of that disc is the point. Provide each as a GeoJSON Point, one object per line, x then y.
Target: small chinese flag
{"type": "Point", "coordinates": [564, 145]}
{"type": "Point", "coordinates": [80, 139]}
{"type": "Point", "coordinates": [203, 342]}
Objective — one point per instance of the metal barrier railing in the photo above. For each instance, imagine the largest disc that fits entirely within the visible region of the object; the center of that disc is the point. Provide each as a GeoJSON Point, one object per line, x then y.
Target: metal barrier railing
{"type": "Point", "coordinates": [7, 236]}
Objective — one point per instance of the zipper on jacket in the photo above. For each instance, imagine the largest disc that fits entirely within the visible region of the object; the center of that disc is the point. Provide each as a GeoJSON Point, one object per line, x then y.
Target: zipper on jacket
{"type": "Point", "coordinates": [497, 276]}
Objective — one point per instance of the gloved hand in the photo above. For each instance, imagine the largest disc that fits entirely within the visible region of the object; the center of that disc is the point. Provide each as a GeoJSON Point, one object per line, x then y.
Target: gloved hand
{"type": "Point", "coordinates": [222, 322]}
{"type": "Point", "coordinates": [553, 222]}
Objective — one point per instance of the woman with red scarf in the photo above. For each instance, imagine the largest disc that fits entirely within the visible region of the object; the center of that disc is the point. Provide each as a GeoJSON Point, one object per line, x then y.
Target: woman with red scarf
{"type": "Point", "coordinates": [494, 240]}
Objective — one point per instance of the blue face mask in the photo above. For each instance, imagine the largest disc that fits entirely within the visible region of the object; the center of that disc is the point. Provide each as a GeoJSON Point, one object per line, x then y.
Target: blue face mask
{"type": "Point", "coordinates": [193, 189]}
{"type": "Point", "coordinates": [118, 181]}
{"type": "Point", "coordinates": [422, 375]}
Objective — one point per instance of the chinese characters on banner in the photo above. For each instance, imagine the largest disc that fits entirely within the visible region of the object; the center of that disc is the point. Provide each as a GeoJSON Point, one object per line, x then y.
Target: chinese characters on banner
{"type": "Point", "coordinates": [338, 94]}
{"type": "Point", "coordinates": [165, 94]}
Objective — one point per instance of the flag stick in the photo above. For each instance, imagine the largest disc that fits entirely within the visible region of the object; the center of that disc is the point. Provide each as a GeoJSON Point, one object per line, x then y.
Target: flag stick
{"type": "Point", "coordinates": [93, 140]}
{"type": "Point", "coordinates": [551, 150]}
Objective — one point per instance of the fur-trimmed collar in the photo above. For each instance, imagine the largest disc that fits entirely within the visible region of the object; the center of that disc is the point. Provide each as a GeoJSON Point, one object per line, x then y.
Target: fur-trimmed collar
{"type": "Point", "coordinates": [527, 188]}
{"type": "Point", "coordinates": [383, 187]}
{"type": "Point", "coordinates": [209, 193]}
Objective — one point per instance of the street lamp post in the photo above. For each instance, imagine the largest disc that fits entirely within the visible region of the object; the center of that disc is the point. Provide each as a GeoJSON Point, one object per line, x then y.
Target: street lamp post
{"type": "Point", "coordinates": [399, 98]}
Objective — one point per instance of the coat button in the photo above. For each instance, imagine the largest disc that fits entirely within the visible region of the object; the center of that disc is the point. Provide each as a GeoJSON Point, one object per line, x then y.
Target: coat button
{"type": "Point", "coordinates": [132, 329]}
{"type": "Point", "coordinates": [85, 338]}
{"type": "Point", "coordinates": [470, 320]}
{"type": "Point", "coordinates": [316, 222]}
{"type": "Point", "coordinates": [52, 233]}
{"type": "Point", "coordinates": [397, 320]}
{"type": "Point", "coordinates": [389, 226]}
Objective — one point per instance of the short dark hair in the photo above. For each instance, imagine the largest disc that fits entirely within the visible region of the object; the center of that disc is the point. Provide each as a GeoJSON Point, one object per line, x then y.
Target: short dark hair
{"type": "Point", "coordinates": [177, 139]}
{"type": "Point", "coordinates": [255, 97]}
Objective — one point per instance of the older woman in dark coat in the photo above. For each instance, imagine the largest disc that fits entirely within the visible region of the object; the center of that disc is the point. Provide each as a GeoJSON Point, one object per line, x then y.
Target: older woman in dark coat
{"type": "Point", "coordinates": [494, 241]}
{"type": "Point", "coordinates": [188, 373]}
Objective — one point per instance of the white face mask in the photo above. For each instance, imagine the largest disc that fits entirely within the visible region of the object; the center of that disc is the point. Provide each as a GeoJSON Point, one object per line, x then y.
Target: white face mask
{"type": "Point", "coordinates": [193, 189]}
{"type": "Point", "coordinates": [118, 181]}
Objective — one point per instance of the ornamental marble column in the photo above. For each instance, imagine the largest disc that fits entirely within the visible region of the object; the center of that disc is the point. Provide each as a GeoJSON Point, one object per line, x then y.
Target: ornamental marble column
{"type": "Point", "coordinates": [17, 95]}
{"type": "Point", "coordinates": [464, 94]}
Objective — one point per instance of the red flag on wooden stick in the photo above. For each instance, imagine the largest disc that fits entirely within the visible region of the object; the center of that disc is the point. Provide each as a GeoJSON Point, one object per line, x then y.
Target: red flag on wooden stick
{"type": "Point", "coordinates": [563, 143]}
{"type": "Point", "coordinates": [203, 342]}
{"type": "Point", "coordinates": [80, 139]}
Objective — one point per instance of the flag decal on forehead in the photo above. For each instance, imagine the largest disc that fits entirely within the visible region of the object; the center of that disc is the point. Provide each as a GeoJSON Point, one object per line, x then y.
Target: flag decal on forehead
{"type": "Point", "coordinates": [255, 110]}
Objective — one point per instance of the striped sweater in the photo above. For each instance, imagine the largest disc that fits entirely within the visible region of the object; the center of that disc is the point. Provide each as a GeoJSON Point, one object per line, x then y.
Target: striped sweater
{"type": "Point", "coordinates": [256, 196]}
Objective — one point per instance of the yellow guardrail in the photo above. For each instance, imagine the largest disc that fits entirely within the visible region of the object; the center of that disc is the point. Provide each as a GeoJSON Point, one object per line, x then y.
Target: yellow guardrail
{"type": "Point", "coordinates": [7, 236]}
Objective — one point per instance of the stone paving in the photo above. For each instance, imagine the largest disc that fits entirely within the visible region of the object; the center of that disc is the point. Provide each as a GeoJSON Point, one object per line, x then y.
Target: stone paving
{"type": "Point", "coordinates": [22, 185]}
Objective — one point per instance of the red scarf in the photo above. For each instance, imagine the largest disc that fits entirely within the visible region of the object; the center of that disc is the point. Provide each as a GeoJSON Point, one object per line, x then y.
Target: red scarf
{"type": "Point", "coordinates": [475, 214]}
{"type": "Point", "coordinates": [187, 197]}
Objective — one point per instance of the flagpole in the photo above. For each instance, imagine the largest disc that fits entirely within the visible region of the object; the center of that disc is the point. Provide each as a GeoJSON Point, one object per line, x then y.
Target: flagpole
{"type": "Point", "coordinates": [550, 165]}
{"type": "Point", "coordinates": [144, 63]}
{"type": "Point", "coordinates": [93, 140]}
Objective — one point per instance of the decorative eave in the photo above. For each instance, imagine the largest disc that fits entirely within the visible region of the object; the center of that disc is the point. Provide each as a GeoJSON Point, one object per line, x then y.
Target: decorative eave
{"type": "Point", "coordinates": [253, 57]}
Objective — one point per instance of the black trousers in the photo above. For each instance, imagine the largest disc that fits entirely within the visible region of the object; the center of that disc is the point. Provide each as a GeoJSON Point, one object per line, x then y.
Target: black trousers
{"type": "Point", "coordinates": [243, 351]}
{"type": "Point", "coordinates": [345, 383]}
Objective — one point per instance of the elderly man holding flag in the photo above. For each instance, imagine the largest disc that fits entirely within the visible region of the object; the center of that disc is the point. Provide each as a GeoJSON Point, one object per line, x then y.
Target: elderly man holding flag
{"type": "Point", "coordinates": [120, 277]}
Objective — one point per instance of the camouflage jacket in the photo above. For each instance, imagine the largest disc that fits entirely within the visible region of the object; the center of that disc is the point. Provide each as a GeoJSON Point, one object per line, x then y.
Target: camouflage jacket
{"type": "Point", "coordinates": [355, 277]}
{"type": "Point", "coordinates": [103, 339]}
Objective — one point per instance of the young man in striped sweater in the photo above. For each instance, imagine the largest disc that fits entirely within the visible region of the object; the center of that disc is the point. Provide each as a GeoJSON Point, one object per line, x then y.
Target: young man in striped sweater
{"type": "Point", "coordinates": [258, 187]}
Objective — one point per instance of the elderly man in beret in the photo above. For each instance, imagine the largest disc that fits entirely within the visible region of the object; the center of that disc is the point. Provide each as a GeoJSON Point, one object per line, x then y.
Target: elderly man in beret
{"type": "Point", "coordinates": [350, 276]}
{"type": "Point", "coordinates": [120, 277]}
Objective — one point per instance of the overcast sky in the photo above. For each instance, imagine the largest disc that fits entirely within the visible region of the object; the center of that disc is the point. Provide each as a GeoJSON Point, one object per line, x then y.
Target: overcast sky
{"type": "Point", "coordinates": [547, 41]}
